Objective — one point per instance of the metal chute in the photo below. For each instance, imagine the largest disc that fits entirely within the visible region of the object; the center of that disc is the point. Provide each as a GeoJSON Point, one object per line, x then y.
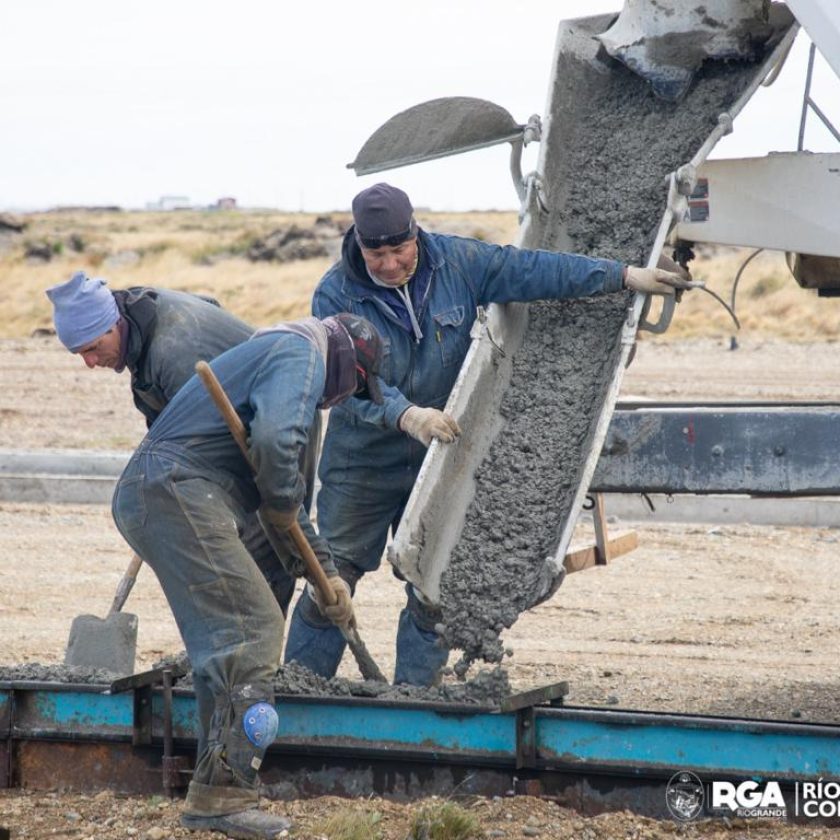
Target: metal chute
{"type": "Point", "coordinates": [436, 129]}
{"type": "Point", "coordinates": [443, 127]}
{"type": "Point", "coordinates": [666, 41]}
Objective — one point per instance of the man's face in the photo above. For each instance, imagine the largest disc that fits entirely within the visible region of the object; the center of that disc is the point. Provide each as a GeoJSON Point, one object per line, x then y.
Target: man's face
{"type": "Point", "coordinates": [392, 264]}
{"type": "Point", "coordinates": [103, 351]}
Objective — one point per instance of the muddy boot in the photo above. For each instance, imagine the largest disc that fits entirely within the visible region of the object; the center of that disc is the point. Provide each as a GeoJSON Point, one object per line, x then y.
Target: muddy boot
{"type": "Point", "coordinates": [244, 824]}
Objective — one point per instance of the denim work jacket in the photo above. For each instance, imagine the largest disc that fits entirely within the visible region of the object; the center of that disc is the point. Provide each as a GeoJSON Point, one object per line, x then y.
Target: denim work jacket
{"type": "Point", "coordinates": [465, 274]}
{"type": "Point", "coordinates": [274, 382]}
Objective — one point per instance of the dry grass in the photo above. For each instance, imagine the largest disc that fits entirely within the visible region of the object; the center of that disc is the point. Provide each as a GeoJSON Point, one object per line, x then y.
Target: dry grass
{"type": "Point", "coordinates": [352, 822]}
{"type": "Point", "coordinates": [205, 252]}
{"type": "Point", "coordinates": [768, 301]}
{"type": "Point", "coordinates": [444, 821]}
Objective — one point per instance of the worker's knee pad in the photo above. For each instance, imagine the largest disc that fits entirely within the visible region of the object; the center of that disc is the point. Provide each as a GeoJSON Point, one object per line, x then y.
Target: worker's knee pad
{"type": "Point", "coordinates": [423, 614]}
{"type": "Point", "coordinates": [243, 726]}
{"type": "Point", "coordinates": [253, 730]}
{"type": "Point", "coordinates": [260, 723]}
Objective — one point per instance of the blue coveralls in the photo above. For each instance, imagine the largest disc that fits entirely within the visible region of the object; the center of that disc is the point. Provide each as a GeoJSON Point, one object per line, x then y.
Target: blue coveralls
{"type": "Point", "coordinates": [368, 466]}
{"type": "Point", "coordinates": [181, 504]}
{"type": "Point", "coordinates": [168, 332]}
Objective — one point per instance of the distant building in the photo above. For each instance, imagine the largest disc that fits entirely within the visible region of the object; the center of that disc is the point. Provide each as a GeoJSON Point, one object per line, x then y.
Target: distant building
{"type": "Point", "coordinates": [170, 202]}
{"type": "Point", "coordinates": [226, 203]}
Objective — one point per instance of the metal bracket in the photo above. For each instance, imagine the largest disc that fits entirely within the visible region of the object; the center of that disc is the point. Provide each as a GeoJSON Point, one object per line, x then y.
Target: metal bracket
{"type": "Point", "coordinates": [546, 695]}
{"type": "Point", "coordinates": [6, 764]}
{"type": "Point", "coordinates": [526, 739]}
{"type": "Point", "coordinates": [524, 705]}
{"type": "Point", "coordinates": [531, 132]}
{"type": "Point", "coordinates": [808, 102]}
{"type": "Point", "coordinates": [175, 768]}
{"type": "Point", "coordinates": [141, 734]}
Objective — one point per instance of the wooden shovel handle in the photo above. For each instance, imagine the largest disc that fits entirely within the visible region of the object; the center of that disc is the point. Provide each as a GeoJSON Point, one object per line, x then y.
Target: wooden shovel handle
{"type": "Point", "coordinates": [226, 409]}
{"type": "Point", "coordinates": [126, 584]}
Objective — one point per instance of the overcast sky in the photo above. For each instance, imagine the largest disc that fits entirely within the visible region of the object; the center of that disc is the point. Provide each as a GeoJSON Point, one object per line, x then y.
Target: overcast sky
{"type": "Point", "coordinates": [105, 102]}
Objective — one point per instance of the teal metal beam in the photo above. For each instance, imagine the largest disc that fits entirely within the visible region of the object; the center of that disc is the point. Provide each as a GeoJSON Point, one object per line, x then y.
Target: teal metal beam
{"type": "Point", "coordinates": [567, 739]}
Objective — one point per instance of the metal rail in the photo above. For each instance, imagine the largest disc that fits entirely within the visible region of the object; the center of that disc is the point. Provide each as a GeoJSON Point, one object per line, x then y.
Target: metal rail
{"type": "Point", "coordinates": [81, 737]}
{"type": "Point", "coordinates": [776, 450]}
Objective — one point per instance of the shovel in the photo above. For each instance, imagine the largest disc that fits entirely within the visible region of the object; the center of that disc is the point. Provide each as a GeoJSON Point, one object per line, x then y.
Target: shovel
{"type": "Point", "coordinates": [108, 643]}
{"type": "Point", "coordinates": [368, 668]}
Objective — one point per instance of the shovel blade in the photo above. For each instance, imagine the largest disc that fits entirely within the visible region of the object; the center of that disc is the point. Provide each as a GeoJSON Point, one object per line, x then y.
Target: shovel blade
{"type": "Point", "coordinates": [107, 643]}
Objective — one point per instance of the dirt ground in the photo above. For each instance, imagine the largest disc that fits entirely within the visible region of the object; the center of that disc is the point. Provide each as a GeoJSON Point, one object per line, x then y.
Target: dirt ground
{"type": "Point", "coordinates": [733, 620]}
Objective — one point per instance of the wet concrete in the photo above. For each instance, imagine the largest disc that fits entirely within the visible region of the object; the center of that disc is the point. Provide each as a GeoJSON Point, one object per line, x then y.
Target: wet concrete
{"type": "Point", "coordinates": [486, 688]}
{"type": "Point", "coordinates": [610, 149]}
{"type": "Point", "coordinates": [72, 675]}
{"type": "Point", "coordinates": [526, 485]}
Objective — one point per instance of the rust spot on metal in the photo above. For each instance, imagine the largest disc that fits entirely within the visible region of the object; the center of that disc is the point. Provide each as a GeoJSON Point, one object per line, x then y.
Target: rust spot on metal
{"type": "Point", "coordinates": [86, 768]}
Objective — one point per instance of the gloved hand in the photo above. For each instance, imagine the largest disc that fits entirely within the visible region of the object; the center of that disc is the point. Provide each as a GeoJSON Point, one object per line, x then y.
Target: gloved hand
{"type": "Point", "coordinates": [282, 520]}
{"type": "Point", "coordinates": [656, 281]}
{"type": "Point", "coordinates": [341, 612]}
{"type": "Point", "coordinates": [427, 424]}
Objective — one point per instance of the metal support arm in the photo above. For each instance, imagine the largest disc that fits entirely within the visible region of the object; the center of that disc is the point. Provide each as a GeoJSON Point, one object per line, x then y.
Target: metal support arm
{"type": "Point", "coordinates": [779, 450]}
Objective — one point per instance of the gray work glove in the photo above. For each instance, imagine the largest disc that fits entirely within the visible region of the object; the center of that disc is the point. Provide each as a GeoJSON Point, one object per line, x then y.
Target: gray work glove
{"type": "Point", "coordinates": [427, 424]}
{"type": "Point", "coordinates": [341, 612]}
{"type": "Point", "coordinates": [282, 520]}
{"type": "Point", "coordinates": [656, 281]}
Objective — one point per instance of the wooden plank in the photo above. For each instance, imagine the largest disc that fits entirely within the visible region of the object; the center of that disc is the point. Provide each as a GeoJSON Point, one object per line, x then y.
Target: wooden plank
{"type": "Point", "coordinates": [583, 556]}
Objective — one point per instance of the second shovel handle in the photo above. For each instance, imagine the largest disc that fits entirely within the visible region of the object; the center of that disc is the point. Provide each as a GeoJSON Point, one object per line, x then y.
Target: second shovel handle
{"type": "Point", "coordinates": [126, 584]}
